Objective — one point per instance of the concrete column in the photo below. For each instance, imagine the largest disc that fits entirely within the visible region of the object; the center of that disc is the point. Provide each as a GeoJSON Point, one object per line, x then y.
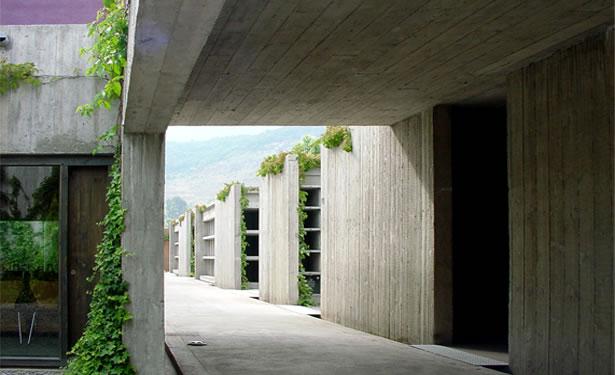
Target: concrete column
{"type": "Point", "coordinates": [172, 247]}
{"type": "Point", "coordinates": [199, 246]}
{"type": "Point", "coordinates": [228, 240]}
{"type": "Point", "coordinates": [185, 244]}
{"type": "Point", "coordinates": [142, 197]}
{"type": "Point", "coordinates": [278, 241]}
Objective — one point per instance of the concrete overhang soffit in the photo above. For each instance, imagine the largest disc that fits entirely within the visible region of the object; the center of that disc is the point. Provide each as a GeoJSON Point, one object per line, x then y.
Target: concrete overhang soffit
{"type": "Point", "coordinates": [165, 40]}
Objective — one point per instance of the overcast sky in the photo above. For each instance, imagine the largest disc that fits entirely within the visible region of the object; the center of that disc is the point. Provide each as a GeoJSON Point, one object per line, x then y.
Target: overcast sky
{"type": "Point", "coordinates": [201, 133]}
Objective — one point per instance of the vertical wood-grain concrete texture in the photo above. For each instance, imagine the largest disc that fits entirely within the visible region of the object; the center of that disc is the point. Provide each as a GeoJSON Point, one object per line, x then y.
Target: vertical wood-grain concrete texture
{"type": "Point", "coordinates": [184, 247]}
{"type": "Point", "coordinates": [43, 119]}
{"type": "Point", "coordinates": [371, 62]}
{"type": "Point", "coordinates": [204, 243]}
{"type": "Point", "coordinates": [143, 197]}
{"type": "Point", "coordinates": [560, 134]}
{"type": "Point", "coordinates": [173, 242]}
{"type": "Point", "coordinates": [378, 235]}
{"type": "Point", "coordinates": [278, 241]}
{"type": "Point", "coordinates": [228, 240]}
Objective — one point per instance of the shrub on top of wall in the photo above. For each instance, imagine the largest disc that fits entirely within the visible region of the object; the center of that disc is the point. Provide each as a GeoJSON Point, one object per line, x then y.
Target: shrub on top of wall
{"type": "Point", "coordinates": [337, 136]}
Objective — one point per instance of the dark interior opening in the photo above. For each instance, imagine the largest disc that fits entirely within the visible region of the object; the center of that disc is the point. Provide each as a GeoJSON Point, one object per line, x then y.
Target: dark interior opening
{"type": "Point", "coordinates": [252, 248]}
{"type": "Point", "coordinates": [312, 239]}
{"type": "Point", "coordinates": [252, 271]}
{"type": "Point", "coordinates": [251, 217]}
{"type": "Point", "coordinates": [313, 197]}
{"type": "Point", "coordinates": [311, 263]}
{"type": "Point", "coordinates": [312, 220]}
{"type": "Point", "coordinates": [480, 226]}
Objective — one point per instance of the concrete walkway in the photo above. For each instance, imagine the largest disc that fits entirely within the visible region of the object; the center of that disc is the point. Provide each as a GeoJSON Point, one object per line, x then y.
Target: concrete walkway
{"type": "Point", "coordinates": [247, 336]}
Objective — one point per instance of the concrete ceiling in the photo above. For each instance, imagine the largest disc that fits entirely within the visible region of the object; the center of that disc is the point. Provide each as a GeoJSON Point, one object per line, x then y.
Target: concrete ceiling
{"type": "Point", "coordinates": [359, 62]}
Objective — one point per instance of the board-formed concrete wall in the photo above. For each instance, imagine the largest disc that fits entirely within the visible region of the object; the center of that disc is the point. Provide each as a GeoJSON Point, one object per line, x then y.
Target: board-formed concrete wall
{"type": "Point", "coordinates": [184, 249]}
{"type": "Point", "coordinates": [378, 236]}
{"type": "Point", "coordinates": [561, 212]}
{"type": "Point", "coordinates": [204, 242]}
{"type": "Point", "coordinates": [173, 242]}
{"type": "Point", "coordinates": [143, 197]}
{"type": "Point", "coordinates": [278, 241]}
{"type": "Point", "coordinates": [228, 240]}
{"type": "Point", "coordinates": [43, 119]}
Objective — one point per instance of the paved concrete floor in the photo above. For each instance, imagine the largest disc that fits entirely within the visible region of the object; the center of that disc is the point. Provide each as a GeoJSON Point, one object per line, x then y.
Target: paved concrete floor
{"type": "Point", "coordinates": [247, 336]}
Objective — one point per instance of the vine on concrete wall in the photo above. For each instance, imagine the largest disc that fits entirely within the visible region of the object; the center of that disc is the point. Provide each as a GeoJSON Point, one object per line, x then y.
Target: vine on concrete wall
{"type": "Point", "coordinates": [13, 75]}
{"type": "Point", "coordinates": [307, 152]}
{"type": "Point", "coordinates": [305, 290]}
{"type": "Point", "coordinates": [107, 55]}
{"type": "Point", "coordinates": [101, 349]}
{"type": "Point", "coordinates": [243, 203]}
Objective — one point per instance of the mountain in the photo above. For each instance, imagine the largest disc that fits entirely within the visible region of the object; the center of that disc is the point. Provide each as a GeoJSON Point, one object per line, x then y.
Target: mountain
{"type": "Point", "coordinates": [195, 171]}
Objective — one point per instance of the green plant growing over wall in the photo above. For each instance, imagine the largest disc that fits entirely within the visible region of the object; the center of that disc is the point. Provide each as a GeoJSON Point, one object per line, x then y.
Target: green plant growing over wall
{"type": "Point", "coordinates": [13, 75]}
{"type": "Point", "coordinates": [101, 349]}
{"type": "Point", "coordinates": [305, 290]}
{"type": "Point", "coordinates": [336, 136]}
{"type": "Point", "coordinates": [272, 164]}
{"type": "Point", "coordinates": [107, 55]}
{"type": "Point", "coordinates": [307, 152]}
{"type": "Point", "coordinates": [243, 203]}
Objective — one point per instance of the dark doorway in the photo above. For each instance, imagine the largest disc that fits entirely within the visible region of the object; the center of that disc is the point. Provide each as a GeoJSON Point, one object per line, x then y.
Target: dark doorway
{"type": "Point", "coordinates": [86, 208]}
{"type": "Point", "coordinates": [480, 252]}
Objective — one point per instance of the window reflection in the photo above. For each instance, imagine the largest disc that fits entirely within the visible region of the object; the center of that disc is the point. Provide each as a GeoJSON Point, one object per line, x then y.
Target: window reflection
{"type": "Point", "coordinates": [29, 247]}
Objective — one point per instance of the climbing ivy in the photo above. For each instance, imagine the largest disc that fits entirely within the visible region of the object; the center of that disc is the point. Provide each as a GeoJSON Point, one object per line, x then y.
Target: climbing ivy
{"type": "Point", "coordinates": [336, 136]}
{"type": "Point", "coordinates": [305, 290]}
{"type": "Point", "coordinates": [107, 55]}
{"type": "Point", "coordinates": [243, 203]}
{"type": "Point", "coordinates": [101, 350]}
{"type": "Point", "coordinates": [307, 152]}
{"type": "Point", "coordinates": [13, 75]}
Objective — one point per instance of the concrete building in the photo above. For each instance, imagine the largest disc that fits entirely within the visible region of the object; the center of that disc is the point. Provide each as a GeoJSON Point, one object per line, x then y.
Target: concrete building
{"type": "Point", "coordinates": [217, 241]}
{"type": "Point", "coordinates": [419, 69]}
{"type": "Point", "coordinates": [55, 188]}
{"type": "Point", "coordinates": [279, 239]}
{"type": "Point", "coordinates": [181, 242]}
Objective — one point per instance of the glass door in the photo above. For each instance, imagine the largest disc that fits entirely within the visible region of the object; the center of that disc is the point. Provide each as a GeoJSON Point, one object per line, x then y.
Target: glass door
{"type": "Point", "coordinates": [30, 286]}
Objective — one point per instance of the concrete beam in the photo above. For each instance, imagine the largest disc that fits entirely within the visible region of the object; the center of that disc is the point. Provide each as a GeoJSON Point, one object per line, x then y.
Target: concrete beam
{"type": "Point", "coordinates": [164, 42]}
{"type": "Point", "coordinates": [142, 197]}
